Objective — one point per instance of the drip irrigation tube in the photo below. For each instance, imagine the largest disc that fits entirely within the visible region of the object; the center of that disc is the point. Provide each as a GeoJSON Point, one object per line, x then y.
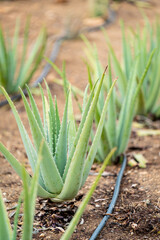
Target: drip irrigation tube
{"type": "Point", "coordinates": [55, 51]}
{"type": "Point", "coordinates": [113, 202]}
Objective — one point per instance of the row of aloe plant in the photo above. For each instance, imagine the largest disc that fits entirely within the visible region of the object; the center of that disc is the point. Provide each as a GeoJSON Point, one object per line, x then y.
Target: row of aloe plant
{"type": "Point", "coordinates": [139, 44]}
{"type": "Point", "coordinates": [56, 142]}
{"type": "Point", "coordinates": [66, 160]}
{"type": "Point", "coordinates": [117, 128]}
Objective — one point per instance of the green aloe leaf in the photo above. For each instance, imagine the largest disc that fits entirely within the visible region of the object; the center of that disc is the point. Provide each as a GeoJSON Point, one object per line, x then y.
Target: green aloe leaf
{"type": "Point", "coordinates": [5, 227]}
{"type": "Point", "coordinates": [72, 125]}
{"type": "Point", "coordinates": [122, 83]}
{"type": "Point", "coordinates": [111, 127]}
{"type": "Point", "coordinates": [30, 194]}
{"type": "Point", "coordinates": [125, 128]}
{"type": "Point", "coordinates": [15, 225]}
{"type": "Point", "coordinates": [94, 147]}
{"type": "Point", "coordinates": [17, 167]}
{"type": "Point", "coordinates": [35, 110]}
{"type": "Point", "coordinates": [61, 149]}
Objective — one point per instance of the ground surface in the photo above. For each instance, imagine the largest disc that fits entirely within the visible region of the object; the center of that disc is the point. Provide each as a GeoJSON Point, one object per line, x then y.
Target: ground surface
{"type": "Point", "coordinates": [137, 212]}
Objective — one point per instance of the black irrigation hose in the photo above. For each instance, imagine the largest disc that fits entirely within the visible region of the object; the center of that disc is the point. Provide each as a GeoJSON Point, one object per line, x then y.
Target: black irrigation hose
{"type": "Point", "coordinates": [55, 52]}
{"type": "Point", "coordinates": [113, 202]}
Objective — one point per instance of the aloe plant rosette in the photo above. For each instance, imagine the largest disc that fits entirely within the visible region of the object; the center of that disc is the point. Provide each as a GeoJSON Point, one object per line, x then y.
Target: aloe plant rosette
{"type": "Point", "coordinates": [117, 128]}
{"type": "Point", "coordinates": [140, 45]}
{"type": "Point", "coordinates": [12, 74]}
{"type": "Point", "coordinates": [65, 165]}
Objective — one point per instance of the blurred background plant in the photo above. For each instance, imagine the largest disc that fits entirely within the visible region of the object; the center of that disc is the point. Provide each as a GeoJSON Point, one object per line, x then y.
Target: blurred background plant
{"type": "Point", "coordinates": [117, 128]}
{"type": "Point", "coordinates": [16, 71]}
{"type": "Point", "coordinates": [139, 44]}
{"type": "Point", "coordinates": [98, 7]}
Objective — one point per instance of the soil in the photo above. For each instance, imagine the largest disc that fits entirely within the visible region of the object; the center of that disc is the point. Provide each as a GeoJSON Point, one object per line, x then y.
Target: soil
{"type": "Point", "coordinates": [137, 212]}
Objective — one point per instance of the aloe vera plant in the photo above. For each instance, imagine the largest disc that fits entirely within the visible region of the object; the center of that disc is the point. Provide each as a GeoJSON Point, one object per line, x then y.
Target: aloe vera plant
{"type": "Point", "coordinates": [117, 127]}
{"type": "Point", "coordinates": [13, 74]}
{"type": "Point", "coordinates": [140, 44]}
{"type": "Point", "coordinates": [29, 198]}
{"type": "Point", "coordinates": [65, 166]}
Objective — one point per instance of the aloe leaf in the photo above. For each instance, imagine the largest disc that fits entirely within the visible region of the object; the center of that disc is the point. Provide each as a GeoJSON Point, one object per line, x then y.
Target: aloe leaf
{"type": "Point", "coordinates": [144, 73]}
{"type": "Point", "coordinates": [140, 101]}
{"type": "Point", "coordinates": [89, 46]}
{"type": "Point", "coordinates": [75, 172]}
{"type": "Point", "coordinates": [76, 91]}
{"type": "Point", "coordinates": [125, 127]}
{"type": "Point", "coordinates": [119, 72]}
{"type": "Point", "coordinates": [12, 160]}
{"type": "Point", "coordinates": [65, 81]}
{"type": "Point", "coordinates": [126, 52]}
{"type": "Point", "coordinates": [72, 126]}
{"type": "Point", "coordinates": [27, 209]}
{"type": "Point", "coordinates": [122, 83]}
{"type": "Point", "coordinates": [24, 51]}
{"type": "Point", "coordinates": [3, 59]}
{"type": "Point", "coordinates": [18, 169]}
{"type": "Point", "coordinates": [95, 143]}
{"type": "Point", "coordinates": [30, 193]}
{"type": "Point", "coordinates": [89, 77]}
{"type": "Point", "coordinates": [99, 72]}
{"type": "Point", "coordinates": [5, 227]}
{"type": "Point", "coordinates": [52, 125]}
{"type": "Point", "coordinates": [84, 115]}
{"type": "Point", "coordinates": [34, 182]}
{"type": "Point", "coordinates": [11, 68]}
{"type": "Point", "coordinates": [26, 141]}
{"type": "Point", "coordinates": [61, 147]}
{"type": "Point", "coordinates": [13, 57]}
{"type": "Point", "coordinates": [57, 120]}
{"type": "Point", "coordinates": [35, 64]}
{"type": "Point", "coordinates": [53, 182]}
{"type": "Point", "coordinates": [45, 113]}
{"type": "Point", "coordinates": [31, 153]}
{"type": "Point", "coordinates": [35, 110]}
{"type": "Point", "coordinates": [54, 67]}
{"type": "Point", "coordinates": [153, 92]}
{"type": "Point", "coordinates": [12, 60]}
{"type": "Point", "coordinates": [38, 46]}
{"type": "Point", "coordinates": [111, 127]}
{"type": "Point", "coordinates": [126, 113]}
{"type": "Point", "coordinates": [14, 235]}
{"type": "Point", "coordinates": [75, 219]}
{"type": "Point", "coordinates": [85, 98]}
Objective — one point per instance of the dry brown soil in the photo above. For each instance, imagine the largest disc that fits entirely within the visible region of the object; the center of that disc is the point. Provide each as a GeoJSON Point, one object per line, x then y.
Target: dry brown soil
{"type": "Point", "coordinates": [137, 212]}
